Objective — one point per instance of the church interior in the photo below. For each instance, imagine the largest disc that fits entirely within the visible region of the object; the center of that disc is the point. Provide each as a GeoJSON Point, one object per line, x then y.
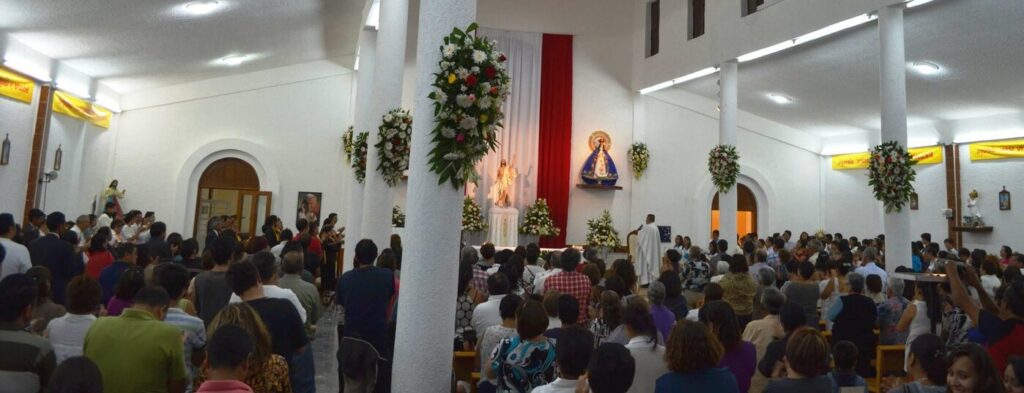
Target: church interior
{"type": "Point", "coordinates": [612, 128]}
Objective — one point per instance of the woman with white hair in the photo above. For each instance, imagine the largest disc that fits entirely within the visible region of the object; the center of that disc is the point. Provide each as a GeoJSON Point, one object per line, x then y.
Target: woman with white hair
{"type": "Point", "coordinates": [889, 312]}
{"type": "Point", "coordinates": [853, 318]}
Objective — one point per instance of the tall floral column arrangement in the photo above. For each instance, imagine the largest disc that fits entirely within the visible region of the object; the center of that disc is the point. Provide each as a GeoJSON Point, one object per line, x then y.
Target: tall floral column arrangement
{"type": "Point", "coordinates": [469, 89]}
{"type": "Point", "coordinates": [359, 149]}
{"type": "Point", "coordinates": [891, 175]}
{"type": "Point", "coordinates": [347, 140]}
{"type": "Point", "coordinates": [723, 163]}
{"type": "Point", "coordinates": [638, 158]}
{"type": "Point", "coordinates": [393, 145]}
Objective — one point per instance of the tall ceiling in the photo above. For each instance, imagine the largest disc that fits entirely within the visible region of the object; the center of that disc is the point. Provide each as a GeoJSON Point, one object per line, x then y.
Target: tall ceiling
{"type": "Point", "coordinates": [138, 44]}
{"type": "Point", "coordinates": [834, 82]}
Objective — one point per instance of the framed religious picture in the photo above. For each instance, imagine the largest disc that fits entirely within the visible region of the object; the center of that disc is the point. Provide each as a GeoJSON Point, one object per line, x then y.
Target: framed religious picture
{"type": "Point", "coordinates": [913, 201]}
{"type": "Point", "coordinates": [309, 206]}
{"type": "Point", "coordinates": [58, 156]}
{"type": "Point", "coordinates": [1004, 199]}
{"type": "Point", "coordinates": [665, 233]}
{"type": "Point", "coordinates": [5, 151]}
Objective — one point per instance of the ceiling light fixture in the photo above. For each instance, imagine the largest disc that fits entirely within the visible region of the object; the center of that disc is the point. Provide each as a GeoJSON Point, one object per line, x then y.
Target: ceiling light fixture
{"type": "Point", "coordinates": [925, 68]}
{"type": "Point", "coordinates": [235, 60]}
{"type": "Point", "coordinates": [915, 3]}
{"type": "Point", "coordinates": [205, 7]}
{"type": "Point", "coordinates": [27, 68]}
{"type": "Point", "coordinates": [685, 78]}
{"type": "Point", "coordinates": [780, 99]}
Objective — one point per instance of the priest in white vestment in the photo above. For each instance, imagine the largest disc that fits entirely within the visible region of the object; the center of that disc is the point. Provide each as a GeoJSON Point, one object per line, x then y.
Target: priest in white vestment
{"type": "Point", "coordinates": [648, 260]}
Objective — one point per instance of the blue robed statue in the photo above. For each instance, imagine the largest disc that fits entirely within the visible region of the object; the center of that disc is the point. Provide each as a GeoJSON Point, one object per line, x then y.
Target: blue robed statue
{"type": "Point", "coordinates": [599, 169]}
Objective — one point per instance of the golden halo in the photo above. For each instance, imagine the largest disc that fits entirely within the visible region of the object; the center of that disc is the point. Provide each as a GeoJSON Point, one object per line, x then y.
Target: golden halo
{"type": "Point", "coordinates": [603, 137]}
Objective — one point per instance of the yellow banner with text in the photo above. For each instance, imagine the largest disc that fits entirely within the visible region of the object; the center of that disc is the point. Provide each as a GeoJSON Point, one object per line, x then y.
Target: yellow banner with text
{"type": "Point", "coordinates": [923, 156]}
{"type": "Point", "coordinates": [67, 104]}
{"type": "Point", "coordinates": [16, 86]}
{"type": "Point", "coordinates": [997, 150]}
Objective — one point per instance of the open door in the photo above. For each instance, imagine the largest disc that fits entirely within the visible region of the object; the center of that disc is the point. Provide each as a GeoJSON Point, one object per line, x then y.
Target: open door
{"type": "Point", "coordinates": [253, 208]}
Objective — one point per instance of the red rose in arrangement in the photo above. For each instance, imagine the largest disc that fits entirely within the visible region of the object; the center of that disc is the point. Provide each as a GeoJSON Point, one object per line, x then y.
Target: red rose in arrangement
{"type": "Point", "coordinates": [502, 58]}
{"type": "Point", "coordinates": [490, 72]}
{"type": "Point", "coordinates": [471, 80]}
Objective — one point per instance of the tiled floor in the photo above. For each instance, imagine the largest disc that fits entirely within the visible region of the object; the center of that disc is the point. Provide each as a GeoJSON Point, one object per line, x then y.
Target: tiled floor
{"type": "Point", "coordinates": [324, 349]}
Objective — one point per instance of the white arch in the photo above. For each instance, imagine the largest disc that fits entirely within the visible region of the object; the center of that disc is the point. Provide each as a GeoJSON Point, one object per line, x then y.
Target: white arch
{"type": "Point", "coordinates": [252, 153]}
{"type": "Point", "coordinates": [758, 184]}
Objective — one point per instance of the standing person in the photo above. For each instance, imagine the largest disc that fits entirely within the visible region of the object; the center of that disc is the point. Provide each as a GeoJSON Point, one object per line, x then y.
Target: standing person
{"type": "Point", "coordinates": [174, 279]}
{"type": "Point", "coordinates": [128, 284]}
{"type": "Point", "coordinates": [108, 216]}
{"type": "Point", "coordinates": [283, 322]}
{"type": "Point", "coordinates": [1003, 324]}
{"type": "Point", "coordinates": [99, 256]}
{"type": "Point", "coordinates": [16, 259]}
{"type": "Point", "coordinates": [272, 228]}
{"type": "Point", "coordinates": [57, 255]}
{"type": "Point", "coordinates": [27, 360]}
{"type": "Point", "coordinates": [43, 309]}
{"type": "Point", "coordinates": [124, 256]}
{"type": "Point", "coordinates": [365, 292]}
{"type": "Point", "coordinates": [572, 353]}
{"type": "Point", "coordinates": [306, 293]}
{"type": "Point", "coordinates": [230, 352]}
{"type": "Point", "coordinates": [570, 282]}
{"type": "Point", "coordinates": [67, 333]}
{"type": "Point", "coordinates": [136, 351]}
{"type": "Point", "coordinates": [854, 317]}
{"type": "Point", "coordinates": [971, 370]}
{"type": "Point", "coordinates": [693, 354]}
{"type": "Point", "coordinates": [210, 289]}
{"type": "Point", "coordinates": [266, 265]}
{"type": "Point", "coordinates": [268, 373]}
{"type": "Point", "coordinates": [36, 227]}
{"type": "Point", "coordinates": [304, 229]}
{"type": "Point", "coordinates": [807, 366]}
{"type": "Point", "coordinates": [648, 251]}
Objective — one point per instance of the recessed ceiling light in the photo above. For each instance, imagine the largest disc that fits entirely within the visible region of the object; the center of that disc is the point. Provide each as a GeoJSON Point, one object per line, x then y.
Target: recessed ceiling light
{"type": "Point", "coordinates": [780, 99]}
{"type": "Point", "coordinates": [235, 60]}
{"type": "Point", "coordinates": [925, 68]}
{"type": "Point", "coordinates": [204, 7]}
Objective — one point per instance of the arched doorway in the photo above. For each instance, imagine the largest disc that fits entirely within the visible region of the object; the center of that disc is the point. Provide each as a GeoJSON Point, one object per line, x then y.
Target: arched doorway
{"type": "Point", "coordinates": [230, 187]}
{"type": "Point", "coordinates": [746, 211]}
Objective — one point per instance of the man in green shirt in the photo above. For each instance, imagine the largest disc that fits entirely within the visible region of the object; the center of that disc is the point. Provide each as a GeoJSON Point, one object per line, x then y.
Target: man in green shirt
{"type": "Point", "coordinates": [137, 352]}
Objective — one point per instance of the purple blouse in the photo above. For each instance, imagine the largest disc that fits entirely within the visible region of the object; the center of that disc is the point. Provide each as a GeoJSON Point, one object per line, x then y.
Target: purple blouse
{"type": "Point", "coordinates": [741, 362]}
{"type": "Point", "coordinates": [116, 305]}
{"type": "Point", "coordinates": [663, 319]}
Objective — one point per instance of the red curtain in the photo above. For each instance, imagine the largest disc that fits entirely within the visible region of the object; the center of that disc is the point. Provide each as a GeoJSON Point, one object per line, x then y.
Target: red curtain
{"type": "Point", "coordinates": [554, 166]}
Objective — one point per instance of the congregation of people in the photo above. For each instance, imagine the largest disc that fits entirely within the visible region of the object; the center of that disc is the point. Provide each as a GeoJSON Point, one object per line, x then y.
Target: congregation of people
{"type": "Point", "coordinates": [117, 304]}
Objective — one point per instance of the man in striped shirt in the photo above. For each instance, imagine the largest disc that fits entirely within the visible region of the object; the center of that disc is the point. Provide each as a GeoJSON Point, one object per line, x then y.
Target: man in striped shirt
{"type": "Point", "coordinates": [26, 360]}
{"type": "Point", "coordinates": [174, 279]}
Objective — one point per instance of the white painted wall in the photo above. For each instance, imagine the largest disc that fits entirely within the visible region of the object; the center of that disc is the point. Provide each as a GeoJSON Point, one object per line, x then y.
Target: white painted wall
{"type": "Point", "coordinates": [298, 124]}
{"type": "Point", "coordinates": [989, 177]}
{"type": "Point", "coordinates": [83, 176]}
{"type": "Point", "coordinates": [677, 189]}
{"type": "Point", "coordinates": [17, 119]}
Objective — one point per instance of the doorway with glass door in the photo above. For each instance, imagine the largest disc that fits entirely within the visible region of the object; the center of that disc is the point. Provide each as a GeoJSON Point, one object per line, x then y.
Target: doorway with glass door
{"type": "Point", "coordinates": [230, 189]}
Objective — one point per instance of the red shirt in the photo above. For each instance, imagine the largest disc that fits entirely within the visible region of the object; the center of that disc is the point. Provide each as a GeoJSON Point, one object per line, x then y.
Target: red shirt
{"type": "Point", "coordinates": [98, 261]}
{"type": "Point", "coordinates": [574, 284]}
{"type": "Point", "coordinates": [314, 245]}
{"type": "Point", "coordinates": [1005, 338]}
{"type": "Point", "coordinates": [224, 387]}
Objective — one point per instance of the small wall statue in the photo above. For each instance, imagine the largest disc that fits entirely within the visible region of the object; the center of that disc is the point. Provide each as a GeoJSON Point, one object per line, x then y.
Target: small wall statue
{"type": "Point", "coordinates": [974, 217]}
{"type": "Point", "coordinates": [599, 169]}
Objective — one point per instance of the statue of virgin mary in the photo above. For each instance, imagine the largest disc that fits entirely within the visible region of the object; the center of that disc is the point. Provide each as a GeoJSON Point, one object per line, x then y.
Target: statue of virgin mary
{"type": "Point", "coordinates": [599, 167]}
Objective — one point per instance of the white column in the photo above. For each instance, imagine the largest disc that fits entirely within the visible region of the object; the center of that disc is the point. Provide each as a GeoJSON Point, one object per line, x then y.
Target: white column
{"type": "Point", "coordinates": [728, 73]}
{"type": "Point", "coordinates": [378, 198]}
{"type": "Point", "coordinates": [894, 124]}
{"type": "Point", "coordinates": [426, 306]}
{"type": "Point", "coordinates": [363, 122]}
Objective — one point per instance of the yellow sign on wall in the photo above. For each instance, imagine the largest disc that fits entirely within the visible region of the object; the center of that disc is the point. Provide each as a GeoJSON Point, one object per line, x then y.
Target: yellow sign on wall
{"type": "Point", "coordinates": [67, 104]}
{"type": "Point", "coordinates": [997, 150]}
{"type": "Point", "coordinates": [16, 86]}
{"type": "Point", "coordinates": [923, 156]}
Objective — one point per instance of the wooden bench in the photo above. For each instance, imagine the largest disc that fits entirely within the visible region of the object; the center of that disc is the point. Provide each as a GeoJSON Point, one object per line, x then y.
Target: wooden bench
{"type": "Point", "coordinates": [463, 364]}
{"type": "Point", "coordinates": [888, 359]}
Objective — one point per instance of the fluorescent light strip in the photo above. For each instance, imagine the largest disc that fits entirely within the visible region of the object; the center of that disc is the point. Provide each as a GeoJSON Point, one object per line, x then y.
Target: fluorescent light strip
{"type": "Point", "coordinates": [915, 3]}
{"type": "Point", "coordinates": [835, 28]}
{"type": "Point", "coordinates": [766, 51]}
{"type": "Point", "coordinates": [685, 78]}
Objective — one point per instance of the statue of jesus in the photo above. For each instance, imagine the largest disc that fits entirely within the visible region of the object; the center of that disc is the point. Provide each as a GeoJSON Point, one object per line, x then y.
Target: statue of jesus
{"type": "Point", "coordinates": [503, 182]}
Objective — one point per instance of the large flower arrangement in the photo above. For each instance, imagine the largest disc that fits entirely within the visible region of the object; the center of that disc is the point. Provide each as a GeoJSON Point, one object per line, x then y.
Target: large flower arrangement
{"type": "Point", "coordinates": [359, 155]}
{"type": "Point", "coordinates": [638, 157]}
{"type": "Point", "coordinates": [537, 220]}
{"type": "Point", "coordinates": [397, 217]}
{"type": "Point", "coordinates": [472, 217]}
{"type": "Point", "coordinates": [723, 163]}
{"type": "Point", "coordinates": [601, 231]}
{"type": "Point", "coordinates": [469, 90]}
{"type": "Point", "coordinates": [346, 140]}
{"type": "Point", "coordinates": [891, 174]}
{"type": "Point", "coordinates": [393, 145]}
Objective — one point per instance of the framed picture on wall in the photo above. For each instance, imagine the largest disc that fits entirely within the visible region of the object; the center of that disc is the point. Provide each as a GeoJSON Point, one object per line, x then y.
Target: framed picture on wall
{"type": "Point", "coordinates": [913, 201]}
{"type": "Point", "coordinates": [1004, 199]}
{"type": "Point", "coordinates": [309, 206]}
{"type": "Point", "coordinates": [665, 233]}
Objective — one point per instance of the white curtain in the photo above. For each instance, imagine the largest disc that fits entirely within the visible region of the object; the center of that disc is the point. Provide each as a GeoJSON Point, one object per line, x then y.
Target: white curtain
{"type": "Point", "coordinates": [519, 137]}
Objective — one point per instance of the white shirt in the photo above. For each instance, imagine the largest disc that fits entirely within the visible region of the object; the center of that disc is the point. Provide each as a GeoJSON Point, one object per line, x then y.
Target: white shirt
{"type": "Point", "coordinates": [693, 315]}
{"type": "Point", "coordinates": [104, 221]}
{"type": "Point", "coordinates": [559, 385]}
{"type": "Point", "coordinates": [554, 323]}
{"type": "Point", "coordinates": [538, 283]}
{"type": "Point", "coordinates": [486, 314]}
{"type": "Point", "coordinates": [871, 268]}
{"type": "Point", "coordinates": [276, 292]}
{"type": "Point", "coordinates": [128, 231]}
{"type": "Point", "coordinates": [81, 235]}
{"type": "Point", "coordinates": [17, 259]}
{"type": "Point", "coordinates": [67, 334]}
{"type": "Point", "coordinates": [276, 250]}
{"type": "Point", "coordinates": [988, 281]}
{"type": "Point", "coordinates": [650, 363]}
